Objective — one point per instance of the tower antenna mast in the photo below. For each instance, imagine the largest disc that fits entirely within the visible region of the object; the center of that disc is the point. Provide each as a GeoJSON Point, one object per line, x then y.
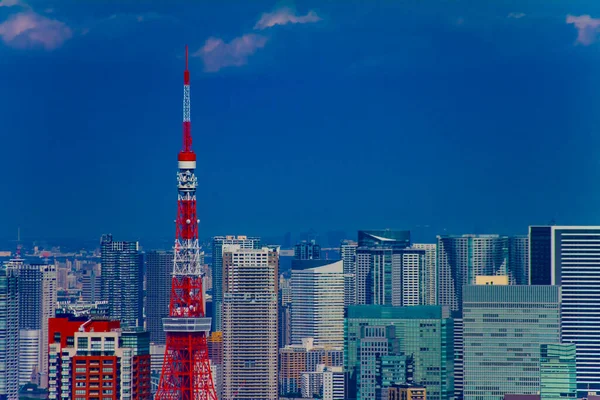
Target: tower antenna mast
{"type": "Point", "coordinates": [186, 373]}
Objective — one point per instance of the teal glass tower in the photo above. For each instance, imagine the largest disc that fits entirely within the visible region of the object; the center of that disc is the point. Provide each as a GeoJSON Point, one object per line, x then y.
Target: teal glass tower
{"type": "Point", "coordinates": [385, 345]}
{"type": "Point", "coordinates": [558, 372]}
{"type": "Point", "coordinates": [503, 328]}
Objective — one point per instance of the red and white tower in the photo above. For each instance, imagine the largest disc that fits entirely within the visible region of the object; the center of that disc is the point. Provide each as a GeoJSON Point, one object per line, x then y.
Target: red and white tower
{"type": "Point", "coordinates": [186, 371]}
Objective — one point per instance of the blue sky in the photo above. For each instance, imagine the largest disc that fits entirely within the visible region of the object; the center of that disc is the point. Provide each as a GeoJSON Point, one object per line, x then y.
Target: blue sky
{"type": "Point", "coordinates": [467, 116]}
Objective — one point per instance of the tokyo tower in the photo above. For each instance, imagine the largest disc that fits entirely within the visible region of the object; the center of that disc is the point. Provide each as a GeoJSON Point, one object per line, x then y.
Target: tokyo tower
{"type": "Point", "coordinates": [186, 371]}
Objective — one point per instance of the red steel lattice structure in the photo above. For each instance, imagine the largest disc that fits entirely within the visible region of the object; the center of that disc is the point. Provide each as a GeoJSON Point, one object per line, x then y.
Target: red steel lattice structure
{"type": "Point", "coordinates": [186, 371]}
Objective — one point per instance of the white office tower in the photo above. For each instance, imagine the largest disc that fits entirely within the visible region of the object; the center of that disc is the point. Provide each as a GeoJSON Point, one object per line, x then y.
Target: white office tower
{"type": "Point", "coordinates": [318, 303]}
{"type": "Point", "coordinates": [409, 278]}
{"type": "Point", "coordinates": [333, 383]}
{"type": "Point", "coordinates": [348, 254]}
{"type": "Point", "coordinates": [250, 278]}
{"type": "Point", "coordinates": [431, 270]}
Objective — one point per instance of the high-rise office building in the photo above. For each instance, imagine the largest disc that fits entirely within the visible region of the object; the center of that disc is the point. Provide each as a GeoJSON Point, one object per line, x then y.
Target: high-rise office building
{"type": "Point", "coordinates": [377, 257]}
{"type": "Point", "coordinates": [9, 331]}
{"type": "Point", "coordinates": [37, 303]}
{"type": "Point", "coordinates": [318, 304]}
{"type": "Point", "coordinates": [409, 278]}
{"type": "Point", "coordinates": [285, 312]}
{"type": "Point", "coordinates": [307, 250]}
{"type": "Point", "coordinates": [93, 359]}
{"type": "Point", "coordinates": [91, 285]}
{"type": "Point", "coordinates": [348, 256]}
{"type": "Point", "coordinates": [333, 383]}
{"type": "Point", "coordinates": [518, 260]}
{"type": "Point", "coordinates": [250, 278]}
{"type": "Point", "coordinates": [387, 343]}
{"type": "Point", "coordinates": [504, 327]}
{"type": "Point", "coordinates": [159, 266]}
{"type": "Point", "coordinates": [122, 281]}
{"type": "Point", "coordinates": [245, 242]}
{"type": "Point", "coordinates": [569, 256]}
{"type": "Point", "coordinates": [558, 372]}
{"type": "Point", "coordinates": [462, 258]}
{"type": "Point", "coordinates": [431, 270]}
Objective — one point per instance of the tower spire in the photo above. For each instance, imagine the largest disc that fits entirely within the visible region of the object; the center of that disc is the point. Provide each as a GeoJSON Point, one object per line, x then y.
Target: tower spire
{"type": "Point", "coordinates": [186, 373]}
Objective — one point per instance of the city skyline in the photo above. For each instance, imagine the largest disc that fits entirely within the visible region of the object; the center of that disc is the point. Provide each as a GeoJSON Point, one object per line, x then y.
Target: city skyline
{"type": "Point", "coordinates": [310, 95]}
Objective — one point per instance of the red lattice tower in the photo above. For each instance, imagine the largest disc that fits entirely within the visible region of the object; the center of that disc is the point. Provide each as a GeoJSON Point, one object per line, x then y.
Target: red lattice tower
{"type": "Point", "coordinates": [186, 371]}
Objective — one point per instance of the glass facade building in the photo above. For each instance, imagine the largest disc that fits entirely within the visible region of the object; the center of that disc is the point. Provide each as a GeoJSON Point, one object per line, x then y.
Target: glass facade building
{"type": "Point", "coordinates": [307, 250]}
{"type": "Point", "coordinates": [503, 328]}
{"type": "Point", "coordinates": [122, 281]}
{"type": "Point", "coordinates": [569, 256]}
{"type": "Point", "coordinates": [379, 265]}
{"type": "Point", "coordinates": [558, 373]}
{"type": "Point", "coordinates": [159, 266]}
{"type": "Point", "coordinates": [461, 258]}
{"type": "Point", "coordinates": [381, 341]}
{"type": "Point", "coordinates": [318, 304]}
{"type": "Point", "coordinates": [9, 332]}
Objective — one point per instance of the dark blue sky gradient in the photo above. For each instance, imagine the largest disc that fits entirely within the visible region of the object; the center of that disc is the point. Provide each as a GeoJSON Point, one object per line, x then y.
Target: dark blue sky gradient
{"type": "Point", "coordinates": [384, 114]}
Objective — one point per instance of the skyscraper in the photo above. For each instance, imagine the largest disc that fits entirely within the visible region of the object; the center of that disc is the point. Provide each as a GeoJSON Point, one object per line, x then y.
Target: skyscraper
{"type": "Point", "coordinates": [431, 269]}
{"type": "Point", "coordinates": [409, 278]}
{"type": "Point", "coordinates": [9, 332]}
{"type": "Point", "coordinates": [250, 278]}
{"type": "Point", "coordinates": [462, 258]}
{"type": "Point", "coordinates": [376, 254]}
{"type": "Point", "coordinates": [558, 372]}
{"type": "Point", "coordinates": [569, 256]}
{"type": "Point", "coordinates": [37, 303]}
{"type": "Point", "coordinates": [159, 266]}
{"type": "Point", "coordinates": [348, 255]}
{"type": "Point", "coordinates": [122, 281]}
{"type": "Point", "coordinates": [504, 327]}
{"type": "Point", "coordinates": [381, 342]}
{"type": "Point", "coordinates": [91, 285]}
{"type": "Point", "coordinates": [244, 242]}
{"type": "Point", "coordinates": [307, 250]}
{"type": "Point", "coordinates": [318, 304]}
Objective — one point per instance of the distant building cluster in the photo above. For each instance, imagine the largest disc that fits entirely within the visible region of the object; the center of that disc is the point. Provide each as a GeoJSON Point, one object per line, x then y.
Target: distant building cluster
{"type": "Point", "coordinates": [466, 317]}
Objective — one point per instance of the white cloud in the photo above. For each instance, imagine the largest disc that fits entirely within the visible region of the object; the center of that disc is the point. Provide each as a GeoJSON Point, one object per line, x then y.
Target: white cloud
{"type": "Point", "coordinates": [28, 29]}
{"type": "Point", "coordinates": [516, 15]}
{"type": "Point", "coordinates": [11, 3]}
{"type": "Point", "coordinates": [217, 54]}
{"type": "Point", "coordinates": [285, 16]}
{"type": "Point", "coordinates": [587, 28]}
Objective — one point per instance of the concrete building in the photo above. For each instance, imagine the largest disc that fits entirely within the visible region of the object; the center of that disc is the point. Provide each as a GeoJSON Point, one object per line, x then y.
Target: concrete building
{"type": "Point", "coordinates": [431, 270]}
{"type": "Point", "coordinates": [407, 392]}
{"type": "Point", "coordinates": [159, 266]}
{"type": "Point", "coordinates": [503, 328]}
{"type": "Point", "coordinates": [386, 345]}
{"type": "Point", "coordinates": [94, 359]}
{"type": "Point", "coordinates": [558, 371]}
{"type": "Point", "coordinates": [122, 281]}
{"type": "Point", "coordinates": [318, 304]}
{"type": "Point", "coordinates": [294, 360]}
{"type": "Point", "coordinates": [244, 242]}
{"type": "Point", "coordinates": [250, 278]}
{"type": "Point", "coordinates": [333, 383]}
{"type": "Point", "coordinates": [569, 256]}
{"type": "Point", "coordinates": [9, 331]}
